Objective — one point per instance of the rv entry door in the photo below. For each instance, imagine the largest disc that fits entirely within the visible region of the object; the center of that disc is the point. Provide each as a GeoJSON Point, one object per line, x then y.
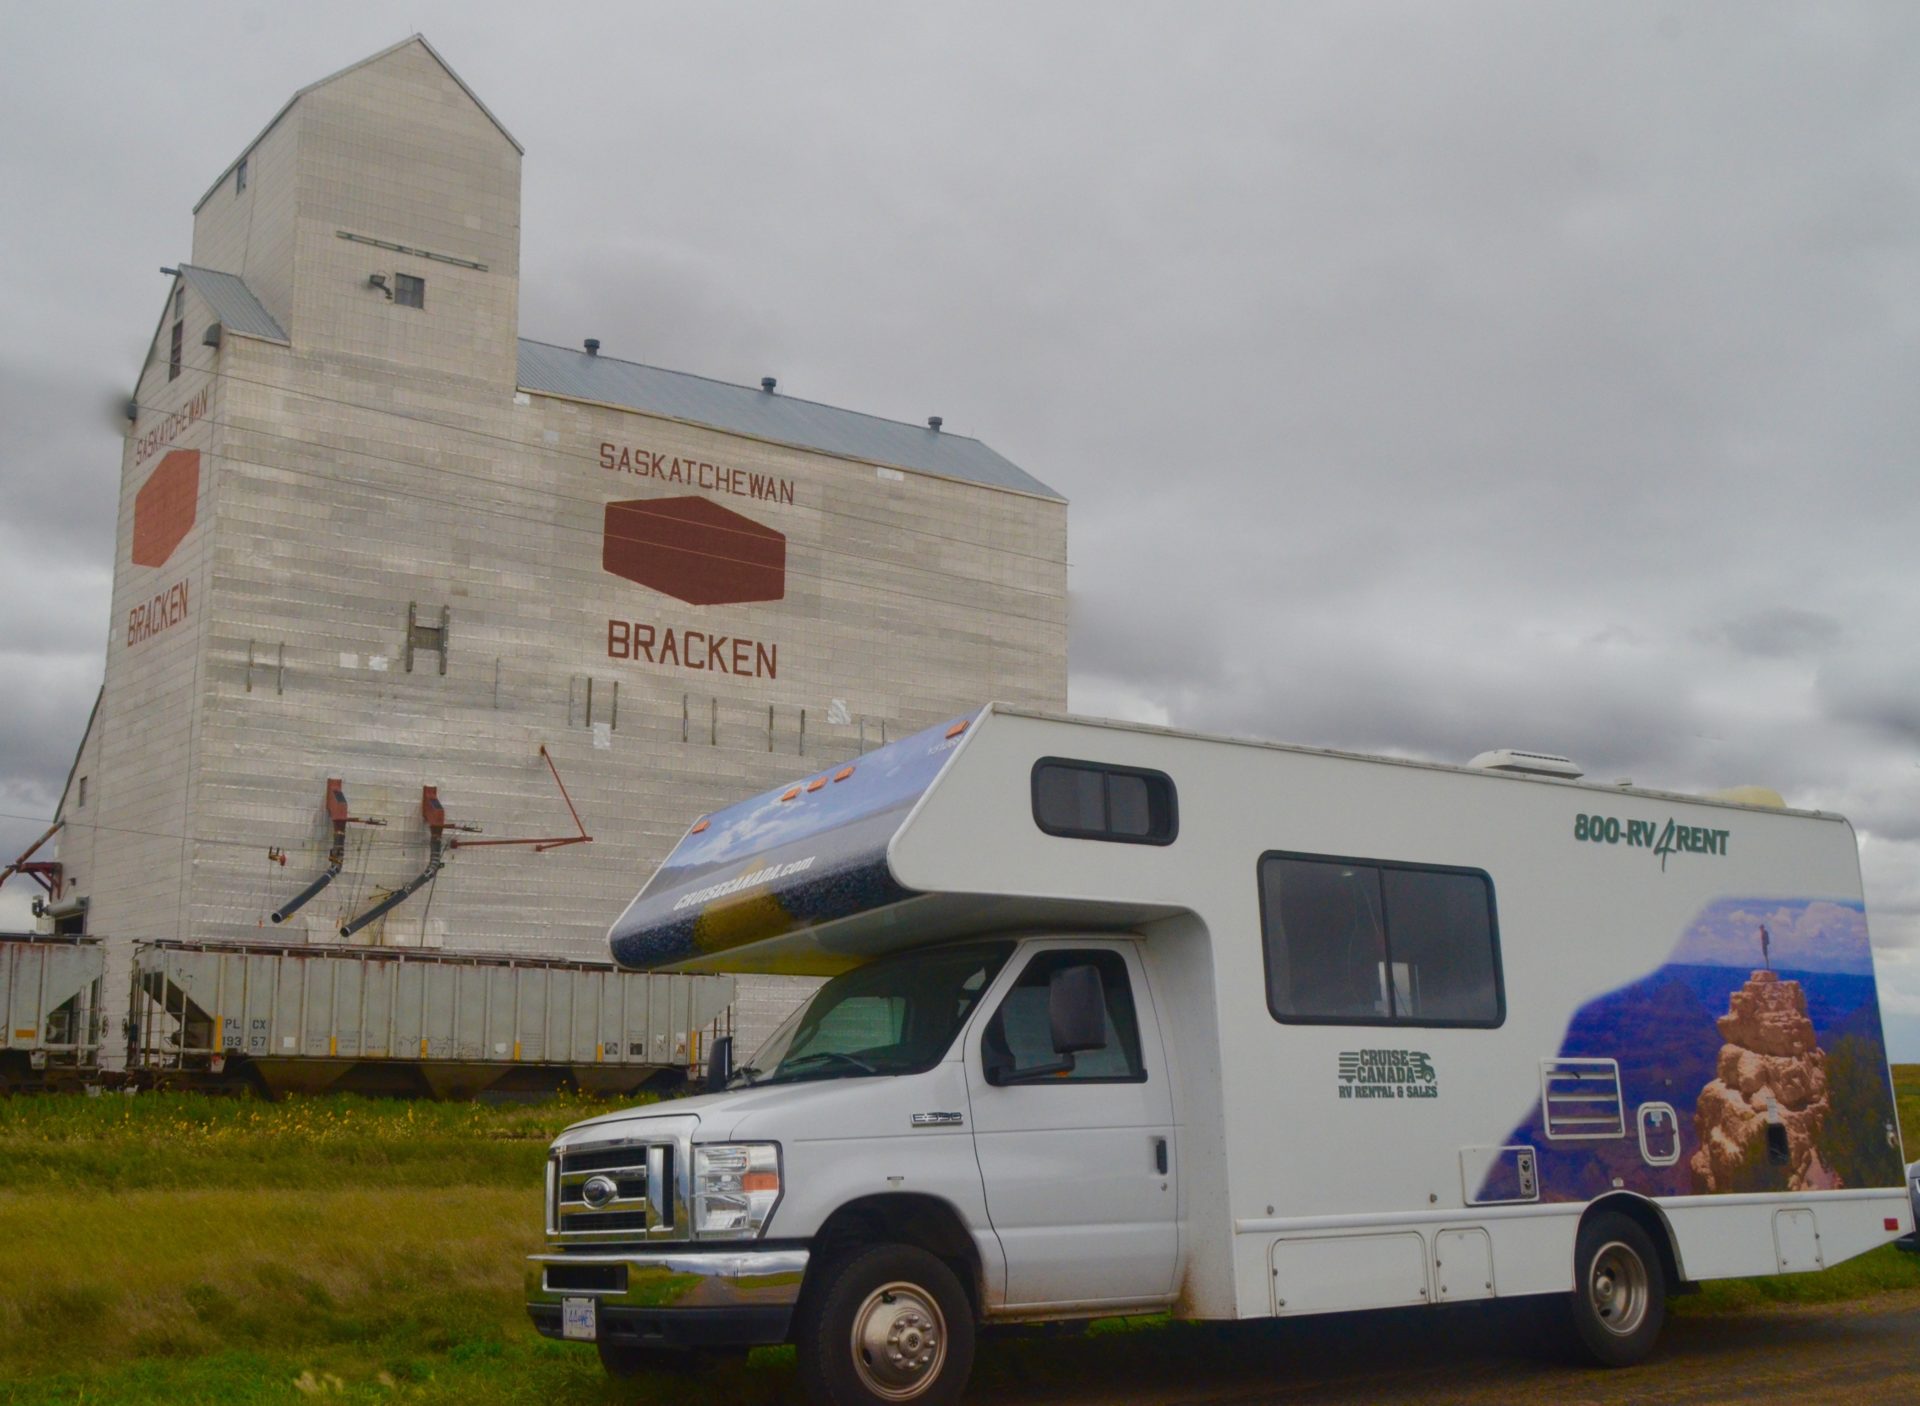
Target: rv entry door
{"type": "Point", "coordinates": [1076, 1142]}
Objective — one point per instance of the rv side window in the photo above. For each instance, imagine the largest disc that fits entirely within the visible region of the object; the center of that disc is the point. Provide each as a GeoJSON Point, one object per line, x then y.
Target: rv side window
{"type": "Point", "coordinates": [1362, 942]}
{"type": "Point", "coordinates": [1088, 801]}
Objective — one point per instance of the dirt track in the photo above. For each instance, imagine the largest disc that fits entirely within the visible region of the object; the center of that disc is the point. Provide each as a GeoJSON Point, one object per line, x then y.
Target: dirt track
{"type": "Point", "coordinates": [1861, 1354]}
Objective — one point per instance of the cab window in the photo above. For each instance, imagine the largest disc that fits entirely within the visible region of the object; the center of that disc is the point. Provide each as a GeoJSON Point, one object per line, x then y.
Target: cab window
{"type": "Point", "coordinates": [1020, 1035]}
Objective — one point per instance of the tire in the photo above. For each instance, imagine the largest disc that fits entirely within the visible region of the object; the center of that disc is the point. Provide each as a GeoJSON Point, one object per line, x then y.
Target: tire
{"type": "Point", "coordinates": [883, 1326]}
{"type": "Point", "coordinates": [1619, 1298]}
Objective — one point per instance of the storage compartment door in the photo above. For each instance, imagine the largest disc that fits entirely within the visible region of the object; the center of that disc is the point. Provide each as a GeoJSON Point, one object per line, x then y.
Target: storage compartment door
{"type": "Point", "coordinates": [1462, 1265]}
{"type": "Point", "coordinates": [1796, 1241]}
{"type": "Point", "coordinates": [1330, 1273]}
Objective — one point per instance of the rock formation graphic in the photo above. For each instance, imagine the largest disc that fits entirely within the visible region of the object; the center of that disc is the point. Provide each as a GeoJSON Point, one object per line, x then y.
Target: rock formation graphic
{"type": "Point", "coordinates": [1771, 1071]}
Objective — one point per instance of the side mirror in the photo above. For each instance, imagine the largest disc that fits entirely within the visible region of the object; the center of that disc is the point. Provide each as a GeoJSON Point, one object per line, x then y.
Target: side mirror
{"type": "Point", "coordinates": [719, 1063]}
{"type": "Point", "coordinates": [1077, 1010]}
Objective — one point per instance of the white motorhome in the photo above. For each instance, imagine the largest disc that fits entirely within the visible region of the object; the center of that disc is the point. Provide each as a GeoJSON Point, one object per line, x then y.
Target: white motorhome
{"type": "Point", "coordinates": [1124, 1020]}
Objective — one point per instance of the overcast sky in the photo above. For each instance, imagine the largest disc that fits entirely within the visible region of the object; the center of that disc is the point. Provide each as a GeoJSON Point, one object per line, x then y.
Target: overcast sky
{"type": "Point", "coordinates": [1424, 378]}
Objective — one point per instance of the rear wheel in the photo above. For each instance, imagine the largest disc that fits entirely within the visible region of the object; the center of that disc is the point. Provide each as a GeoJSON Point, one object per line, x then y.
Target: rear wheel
{"type": "Point", "coordinates": [1619, 1298]}
{"type": "Point", "coordinates": [886, 1325]}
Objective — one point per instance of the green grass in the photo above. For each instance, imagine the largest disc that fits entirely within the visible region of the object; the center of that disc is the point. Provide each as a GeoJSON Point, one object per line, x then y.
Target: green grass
{"type": "Point", "coordinates": [510, 1373]}
{"type": "Point", "coordinates": [180, 1250]}
{"type": "Point", "coordinates": [187, 1273]}
{"type": "Point", "coordinates": [166, 1141]}
{"type": "Point", "coordinates": [269, 1295]}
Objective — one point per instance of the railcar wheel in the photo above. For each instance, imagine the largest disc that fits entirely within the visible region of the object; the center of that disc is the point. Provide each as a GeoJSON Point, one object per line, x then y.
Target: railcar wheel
{"type": "Point", "coordinates": [1619, 1298]}
{"type": "Point", "coordinates": [884, 1326]}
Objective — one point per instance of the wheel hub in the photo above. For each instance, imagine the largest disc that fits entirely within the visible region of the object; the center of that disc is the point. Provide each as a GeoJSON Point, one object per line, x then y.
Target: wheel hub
{"type": "Point", "coordinates": [899, 1341]}
{"type": "Point", "coordinates": [1617, 1288]}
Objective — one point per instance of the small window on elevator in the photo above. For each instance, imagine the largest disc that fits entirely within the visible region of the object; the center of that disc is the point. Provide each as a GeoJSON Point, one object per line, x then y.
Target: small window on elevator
{"type": "Point", "coordinates": [409, 291]}
{"type": "Point", "coordinates": [240, 176]}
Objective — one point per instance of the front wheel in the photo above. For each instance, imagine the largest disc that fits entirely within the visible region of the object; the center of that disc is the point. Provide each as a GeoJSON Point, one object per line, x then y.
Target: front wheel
{"type": "Point", "coordinates": [889, 1324]}
{"type": "Point", "coordinates": [1619, 1295]}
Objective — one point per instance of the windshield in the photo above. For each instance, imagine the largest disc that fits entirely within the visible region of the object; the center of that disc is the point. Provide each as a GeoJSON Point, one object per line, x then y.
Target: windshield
{"type": "Point", "coordinates": [894, 1016]}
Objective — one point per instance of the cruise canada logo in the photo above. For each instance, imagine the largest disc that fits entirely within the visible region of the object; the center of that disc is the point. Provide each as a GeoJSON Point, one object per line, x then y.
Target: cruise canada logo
{"type": "Point", "coordinates": [699, 553]}
{"type": "Point", "coordinates": [1387, 1074]}
{"type": "Point", "coordinates": [1664, 841]}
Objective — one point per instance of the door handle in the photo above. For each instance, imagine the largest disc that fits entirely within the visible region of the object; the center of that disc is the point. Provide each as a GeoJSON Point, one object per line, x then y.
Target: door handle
{"type": "Point", "coordinates": [1160, 1155]}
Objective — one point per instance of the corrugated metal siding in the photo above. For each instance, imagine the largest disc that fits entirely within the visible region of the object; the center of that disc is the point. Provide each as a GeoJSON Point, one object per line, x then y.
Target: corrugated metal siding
{"type": "Point", "coordinates": [233, 303]}
{"type": "Point", "coordinates": [766, 415]}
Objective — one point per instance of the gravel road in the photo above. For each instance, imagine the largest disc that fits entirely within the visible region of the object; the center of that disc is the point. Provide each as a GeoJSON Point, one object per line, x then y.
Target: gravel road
{"type": "Point", "coordinates": [1860, 1354]}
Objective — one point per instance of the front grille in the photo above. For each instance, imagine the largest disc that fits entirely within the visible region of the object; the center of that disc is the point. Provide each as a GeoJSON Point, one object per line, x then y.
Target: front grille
{"type": "Point", "coordinates": [644, 1191]}
{"type": "Point", "coordinates": [602, 1220]}
{"type": "Point", "coordinates": [598, 1159]}
{"type": "Point", "coordinates": [631, 1189]}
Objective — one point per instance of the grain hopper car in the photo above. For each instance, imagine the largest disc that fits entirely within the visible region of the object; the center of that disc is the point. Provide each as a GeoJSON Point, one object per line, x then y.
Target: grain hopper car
{"type": "Point", "coordinates": [387, 1021]}
{"type": "Point", "coordinates": [50, 998]}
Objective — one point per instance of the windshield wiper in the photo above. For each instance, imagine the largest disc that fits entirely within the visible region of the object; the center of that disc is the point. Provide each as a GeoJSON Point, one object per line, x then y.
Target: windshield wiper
{"type": "Point", "coordinates": [788, 1066]}
{"type": "Point", "coordinates": [746, 1072]}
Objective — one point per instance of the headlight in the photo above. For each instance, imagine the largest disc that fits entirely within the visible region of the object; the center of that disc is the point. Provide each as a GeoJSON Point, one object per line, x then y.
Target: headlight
{"type": "Point", "coordinates": [735, 1188]}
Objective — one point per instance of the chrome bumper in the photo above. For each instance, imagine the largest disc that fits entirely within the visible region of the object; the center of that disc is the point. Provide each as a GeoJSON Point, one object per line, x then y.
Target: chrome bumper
{"type": "Point", "coordinates": [671, 1279]}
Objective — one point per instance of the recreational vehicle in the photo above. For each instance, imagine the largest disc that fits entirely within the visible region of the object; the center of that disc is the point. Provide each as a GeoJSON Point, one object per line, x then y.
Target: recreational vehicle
{"type": "Point", "coordinates": [1123, 1020]}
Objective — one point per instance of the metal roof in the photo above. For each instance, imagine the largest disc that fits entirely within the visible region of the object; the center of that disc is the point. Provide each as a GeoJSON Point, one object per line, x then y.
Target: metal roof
{"type": "Point", "coordinates": [233, 303]}
{"type": "Point", "coordinates": [748, 410]}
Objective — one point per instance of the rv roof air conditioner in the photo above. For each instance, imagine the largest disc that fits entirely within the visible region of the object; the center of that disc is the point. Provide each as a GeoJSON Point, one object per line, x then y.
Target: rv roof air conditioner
{"type": "Point", "coordinates": [1528, 763]}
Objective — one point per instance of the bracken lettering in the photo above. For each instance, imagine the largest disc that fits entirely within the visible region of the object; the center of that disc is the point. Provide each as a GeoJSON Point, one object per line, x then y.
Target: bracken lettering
{"type": "Point", "coordinates": [163, 612]}
{"type": "Point", "coordinates": [692, 649]}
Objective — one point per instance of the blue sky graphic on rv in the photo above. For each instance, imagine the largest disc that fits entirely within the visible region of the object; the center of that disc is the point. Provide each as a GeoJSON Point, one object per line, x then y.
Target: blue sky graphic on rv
{"type": "Point", "coordinates": [800, 855]}
{"type": "Point", "coordinates": [1732, 1034]}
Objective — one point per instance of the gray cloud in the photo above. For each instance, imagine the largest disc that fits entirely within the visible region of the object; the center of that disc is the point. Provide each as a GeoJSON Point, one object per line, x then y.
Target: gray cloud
{"type": "Point", "coordinates": [1781, 632]}
{"type": "Point", "coordinates": [1880, 691]}
{"type": "Point", "coordinates": [62, 466]}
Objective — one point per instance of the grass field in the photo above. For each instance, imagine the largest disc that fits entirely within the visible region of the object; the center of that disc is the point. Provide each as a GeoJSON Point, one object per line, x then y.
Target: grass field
{"type": "Point", "coordinates": [184, 1250]}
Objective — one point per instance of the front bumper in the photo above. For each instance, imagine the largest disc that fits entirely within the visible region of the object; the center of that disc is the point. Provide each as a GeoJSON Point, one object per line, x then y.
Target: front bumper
{"type": "Point", "coordinates": [672, 1298]}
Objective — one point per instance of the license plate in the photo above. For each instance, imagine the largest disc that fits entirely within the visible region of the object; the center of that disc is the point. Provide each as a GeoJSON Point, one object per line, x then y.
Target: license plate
{"type": "Point", "coordinates": [577, 1320]}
